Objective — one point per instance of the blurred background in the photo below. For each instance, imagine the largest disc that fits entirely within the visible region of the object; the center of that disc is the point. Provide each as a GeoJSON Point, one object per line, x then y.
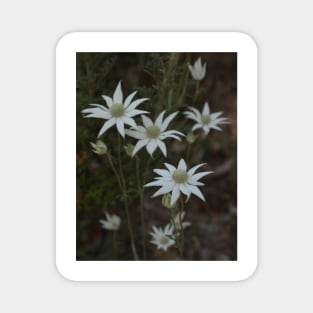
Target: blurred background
{"type": "Point", "coordinates": [164, 79]}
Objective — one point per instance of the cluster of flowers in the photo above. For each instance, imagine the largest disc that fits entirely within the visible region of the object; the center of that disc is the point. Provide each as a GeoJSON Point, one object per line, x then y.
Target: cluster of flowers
{"type": "Point", "coordinates": [151, 134]}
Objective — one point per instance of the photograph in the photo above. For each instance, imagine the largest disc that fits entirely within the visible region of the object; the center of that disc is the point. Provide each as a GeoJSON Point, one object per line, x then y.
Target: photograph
{"type": "Point", "coordinates": [156, 156]}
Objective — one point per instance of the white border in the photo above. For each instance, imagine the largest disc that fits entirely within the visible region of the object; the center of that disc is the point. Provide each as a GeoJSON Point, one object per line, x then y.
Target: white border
{"type": "Point", "coordinates": [66, 157]}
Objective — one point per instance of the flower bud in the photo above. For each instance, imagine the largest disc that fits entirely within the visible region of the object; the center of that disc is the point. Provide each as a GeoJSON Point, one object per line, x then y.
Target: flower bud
{"type": "Point", "coordinates": [129, 149]}
{"type": "Point", "coordinates": [197, 70]}
{"type": "Point", "coordinates": [99, 147]}
{"type": "Point", "coordinates": [166, 201]}
{"type": "Point", "coordinates": [191, 137]}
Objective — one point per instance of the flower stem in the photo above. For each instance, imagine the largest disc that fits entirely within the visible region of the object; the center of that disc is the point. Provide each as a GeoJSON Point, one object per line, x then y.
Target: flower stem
{"type": "Point", "coordinates": [123, 183]}
{"type": "Point", "coordinates": [142, 217]}
{"type": "Point", "coordinates": [114, 245]}
{"type": "Point", "coordinates": [182, 241]}
{"type": "Point", "coordinates": [197, 91]}
{"type": "Point", "coordinates": [188, 153]}
{"type": "Point", "coordinates": [114, 170]}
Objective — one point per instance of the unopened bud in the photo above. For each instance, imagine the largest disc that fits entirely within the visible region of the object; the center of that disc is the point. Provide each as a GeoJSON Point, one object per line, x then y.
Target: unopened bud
{"type": "Point", "coordinates": [191, 137]}
{"type": "Point", "coordinates": [129, 149]}
{"type": "Point", "coordinates": [166, 201]}
{"type": "Point", "coordinates": [99, 147]}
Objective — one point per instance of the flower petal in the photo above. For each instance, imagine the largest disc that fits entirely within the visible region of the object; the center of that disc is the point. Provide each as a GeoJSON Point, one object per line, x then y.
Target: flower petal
{"type": "Point", "coordinates": [106, 126]}
{"type": "Point", "coordinates": [120, 127]}
{"type": "Point", "coordinates": [206, 109]}
{"type": "Point", "coordinates": [129, 121]}
{"type": "Point", "coordinates": [158, 121]}
{"type": "Point", "coordinates": [182, 165]}
{"type": "Point", "coordinates": [193, 169]}
{"type": "Point", "coordinates": [108, 100]}
{"type": "Point", "coordinates": [162, 147]}
{"type": "Point", "coordinates": [97, 113]}
{"type": "Point", "coordinates": [151, 146]}
{"type": "Point", "coordinates": [196, 191]}
{"type": "Point", "coordinates": [197, 113]}
{"type": "Point", "coordinates": [135, 134]}
{"type": "Point", "coordinates": [184, 189]}
{"type": "Point", "coordinates": [170, 167]}
{"type": "Point", "coordinates": [100, 106]}
{"type": "Point", "coordinates": [146, 121]}
{"type": "Point", "coordinates": [134, 104]}
{"type": "Point", "coordinates": [155, 183]}
{"type": "Point", "coordinates": [167, 187]}
{"type": "Point", "coordinates": [175, 195]}
{"type": "Point", "coordinates": [135, 112]}
{"type": "Point", "coordinates": [139, 145]}
{"type": "Point", "coordinates": [129, 99]}
{"type": "Point", "coordinates": [164, 173]}
{"type": "Point", "coordinates": [215, 115]}
{"type": "Point", "coordinates": [168, 120]}
{"type": "Point", "coordinates": [198, 176]}
{"type": "Point", "coordinates": [196, 126]}
{"type": "Point", "coordinates": [118, 94]}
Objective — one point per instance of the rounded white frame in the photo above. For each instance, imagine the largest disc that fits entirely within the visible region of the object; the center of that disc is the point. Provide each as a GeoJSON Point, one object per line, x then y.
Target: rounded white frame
{"type": "Point", "coordinates": [247, 119]}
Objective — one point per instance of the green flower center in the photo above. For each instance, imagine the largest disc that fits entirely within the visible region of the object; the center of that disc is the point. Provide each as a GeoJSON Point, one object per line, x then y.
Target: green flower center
{"type": "Point", "coordinates": [117, 110]}
{"type": "Point", "coordinates": [153, 131]}
{"type": "Point", "coordinates": [206, 119]}
{"type": "Point", "coordinates": [180, 176]}
{"type": "Point", "coordinates": [164, 240]}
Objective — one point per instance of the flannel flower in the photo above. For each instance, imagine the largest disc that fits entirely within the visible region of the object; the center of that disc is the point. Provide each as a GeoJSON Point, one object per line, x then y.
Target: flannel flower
{"type": "Point", "coordinates": [162, 238]}
{"type": "Point", "coordinates": [205, 120]}
{"type": "Point", "coordinates": [117, 112]}
{"type": "Point", "coordinates": [152, 133]}
{"type": "Point", "coordinates": [178, 180]}
{"type": "Point", "coordinates": [197, 70]}
{"type": "Point", "coordinates": [112, 222]}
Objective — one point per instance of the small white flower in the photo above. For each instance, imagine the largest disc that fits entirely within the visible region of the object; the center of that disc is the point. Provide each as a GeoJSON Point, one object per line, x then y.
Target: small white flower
{"type": "Point", "coordinates": [197, 70]}
{"type": "Point", "coordinates": [112, 222]}
{"type": "Point", "coordinates": [205, 120]}
{"type": "Point", "coordinates": [178, 180]}
{"type": "Point", "coordinates": [152, 134]}
{"type": "Point", "coordinates": [117, 112]}
{"type": "Point", "coordinates": [176, 222]}
{"type": "Point", "coordinates": [162, 237]}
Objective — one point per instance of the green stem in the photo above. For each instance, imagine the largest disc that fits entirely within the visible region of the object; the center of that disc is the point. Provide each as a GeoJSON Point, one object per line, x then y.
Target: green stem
{"type": "Point", "coordinates": [184, 83]}
{"type": "Point", "coordinates": [182, 241]}
{"type": "Point", "coordinates": [142, 217]}
{"type": "Point", "coordinates": [197, 91]}
{"type": "Point", "coordinates": [114, 245]}
{"type": "Point", "coordinates": [114, 170]}
{"type": "Point", "coordinates": [133, 246]}
{"type": "Point", "coordinates": [188, 153]}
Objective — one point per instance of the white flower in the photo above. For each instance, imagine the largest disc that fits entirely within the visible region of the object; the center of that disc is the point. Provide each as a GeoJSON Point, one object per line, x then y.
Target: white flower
{"type": "Point", "coordinates": [177, 180]}
{"type": "Point", "coordinates": [162, 237]}
{"type": "Point", "coordinates": [197, 70]}
{"type": "Point", "coordinates": [176, 222]}
{"type": "Point", "coordinates": [118, 112]}
{"type": "Point", "coordinates": [112, 222]}
{"type": "Point", "coordinates": [205, 120]}
{"type": "Point", "coordinates": [152, 133]}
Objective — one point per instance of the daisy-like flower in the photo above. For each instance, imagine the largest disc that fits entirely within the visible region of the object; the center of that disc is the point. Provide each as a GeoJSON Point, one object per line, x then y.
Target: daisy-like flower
{"type": "Point", "coordinates": [176, 222]}
{"type": "Point", "coordinates": [206, 120]}
{"type": "Point", "coordinates": [178, 180]}
{"type": "Point", "coordinates": [112, 222]}
{"type": "Point", "coordinates": [162, 238]}
{"type": "Point", "coordinates": [117, 112]}
{"type": "Point", "coordinates": [197, 70]}
{"type": "Point", "coordinates": [152, 134]}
